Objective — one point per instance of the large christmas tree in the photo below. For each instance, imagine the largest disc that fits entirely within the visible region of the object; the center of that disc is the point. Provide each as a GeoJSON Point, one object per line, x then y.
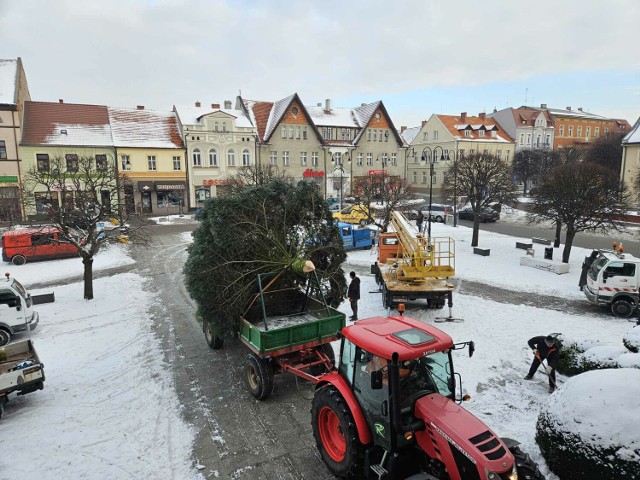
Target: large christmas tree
{"type": "Point", "coordinates": [273, 227]}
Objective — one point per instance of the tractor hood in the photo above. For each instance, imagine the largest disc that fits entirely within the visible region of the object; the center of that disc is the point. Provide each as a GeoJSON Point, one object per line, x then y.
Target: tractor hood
{"type": "Point", "coordinates": [469, 439]}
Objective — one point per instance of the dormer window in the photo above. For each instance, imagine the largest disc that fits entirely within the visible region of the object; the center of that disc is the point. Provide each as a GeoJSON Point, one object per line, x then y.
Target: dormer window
{"type": "Point", "coordinates": [467, 133]}
{"type": "Point", "coordinates": [480, 133]}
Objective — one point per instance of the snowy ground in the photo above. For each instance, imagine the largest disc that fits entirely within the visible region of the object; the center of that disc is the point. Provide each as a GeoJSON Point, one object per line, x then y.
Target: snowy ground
{"type": "Point", "coordinates": [109, 407]}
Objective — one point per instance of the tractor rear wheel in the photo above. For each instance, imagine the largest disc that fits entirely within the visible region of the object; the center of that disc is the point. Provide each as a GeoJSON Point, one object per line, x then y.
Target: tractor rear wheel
{"type": "Point", "coordinates": [527, 468]}
{"type": "Point", "coordinates": [327, 349]}
{"type": "Point", "coordinates": [335, 433]}
{"type": "Point", "coordinates": [258, 375]}
{"type": "Point", "coordinates": [622, 308]}
{"type": "Point", "coordinates": [213, 340]}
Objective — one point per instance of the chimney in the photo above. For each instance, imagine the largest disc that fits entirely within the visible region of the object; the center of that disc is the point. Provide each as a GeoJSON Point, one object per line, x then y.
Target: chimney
{"type": "Point", "coordinates": [227, 104]}
{"type": "Point", "coordinates": [403, 128]}
{"type": "Point", "coordinates": [327, 104]}
{"type": "Point", "coordinates": [424, 122]}
{"type": "Point", "coordinates": [543, 105]}
{"type": "Point", "coordinates": [463, 116]}
{"type": "Point", "coordinates": [140, 107]}
{"type": "Point", "coordinates": [580, 108]}
{"type": "Point", "coordinates": [482, 116]}
{"type": "Point", "coordinates": [569, 108]}
{"type": "Point", "coordinates": [198, 104]}
{"type": "Point", "coordinates": [60, 100]}
{"type": "Point", "coordinates": [362, 104]}
{"type": "Point", "coordinates": [215, 105]}
{"type": "Point", "coordinates": [319, 104]}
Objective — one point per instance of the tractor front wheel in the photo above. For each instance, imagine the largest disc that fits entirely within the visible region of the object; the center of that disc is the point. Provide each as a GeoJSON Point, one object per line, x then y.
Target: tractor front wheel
{"type": "Point", "coordinates": [213, 340]}
{"type": "Point", "coordinates": [335, 433]}
{"type": "Point", "coordinates": [527, 468]}
{"type": "Point", "coordinates": [258, 375]}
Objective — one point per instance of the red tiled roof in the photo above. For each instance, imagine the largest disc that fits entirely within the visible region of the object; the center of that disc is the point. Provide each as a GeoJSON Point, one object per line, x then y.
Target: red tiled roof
{"type": "Point", "coordinates": [261, 112]}
{"type": "Point", "coordinates": [451, 122]}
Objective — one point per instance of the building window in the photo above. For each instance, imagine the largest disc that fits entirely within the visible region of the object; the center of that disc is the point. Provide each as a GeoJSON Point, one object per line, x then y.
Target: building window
{"type": "Point", "coordinates": [596, 132]}
{"type": "Point", "coordinates": [231, 158]}
{"type": "Point", "coordinates": [481, 133]}
{"type": "Point", "coordinates": [246, 158]}
{"type": "Point", "coordinates": [561, 131]}
{"type": "Point", "coordinates": [579, 133]}
{"type": "Point", "coordinates": [385, 158]}
{"type": "Point", "coordinates": [424, 177]}
{"type": "Point", "coordinates": [359, 159]}
{"type": "Point", "coordinates": [345, 134]}
{"type": "Point", "coordinates": [494, 133]}
{"type": "Point", "coordinates": [290, 131]}
{"type": "Point", "coordinates": [285, 159]}
{"type": "Point", "coordinates": [176, 164]}
{"type": "Point", "coordinates": [538, 138]}
{"type": "Point", "coordinates": [3, 149]}
{"type": "Point", "coordinates": [426, 137]}
{"type": "Point", "coordinates": [435, 134]}
{"type": "Point", "coordinates": [386, 135]}
{"type": "Point", "coordinates": [435, 178]}
{"type": "Point", "coordinates": [375, 135]}
{"type": "Point", "coordinates": [368, 135]}
{"type": "Point", "coordinates": [547, 140]}
{"type": "Point", "coordinates": [528, 139]}
{"type": "Point", "coordinates": [467, 133]}
{"type": "Point", "coordinates": [485, 152]}
{"type": "Point", "coordinates": [587, 132]}
{"type": "Point", "coordinates": [101, 163]}
{"type": "Point", "coordinates": [606, 130]}
{"type": "Point", "coordinates": [394, 159]}
{"type": "Point", "coordinates": [499, 154]}
{"type": "Point", "coordinates": [45, 202]}
{"type": "Point", "coordinates": [42, 160]}
{"type": "Point", "coordinates": [224, 127]}
{"type": "Point", "coordinates": [215, 127]}
{"type": "Point", "coordinates": [126, 162]}
{"type": "Point", "coordinates": [369, 159]}
{"type": "Point", "coordinates": [570, 130]}
{"type": "Point", "coordinates": [72, 162]}
{"type": "Point", "coordinates": [326, 133]}
{"type": "Point", "coordinates": [303, 159]}
{"type": "Point", "coordinates": [506, 155]}
{"type": "Point", "coordinates": [304, 133]}
{"type": "Point", "coordinates": [197, 159]}
{"type": "Point", "coordinates": [284, 131]}
{"type": "Point", "coordinates": [415, 177]}
{"type": "Point", "coordinates": [461, 153]}
{"type": "Point", "coordinates": [273, 156]}
{"type": "Point", "coordinates": [298, 133]}
{"type": "Point", "coordinates": [522, 139]}
{"type": "Point", "coordinates": [213, 157]}
{"type": "Point", "coordinates": [314, 159]}
{"type": "Point", "coordinates": [151, 163]}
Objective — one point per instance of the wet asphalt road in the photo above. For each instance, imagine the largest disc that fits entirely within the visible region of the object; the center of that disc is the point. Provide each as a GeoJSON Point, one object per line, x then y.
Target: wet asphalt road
{"type": "Point", "coordinates": [238, 437]}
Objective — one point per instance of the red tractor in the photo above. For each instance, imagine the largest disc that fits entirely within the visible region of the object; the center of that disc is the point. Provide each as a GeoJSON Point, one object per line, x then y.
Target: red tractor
{"type": "Point", "coordinates": [390, 410]}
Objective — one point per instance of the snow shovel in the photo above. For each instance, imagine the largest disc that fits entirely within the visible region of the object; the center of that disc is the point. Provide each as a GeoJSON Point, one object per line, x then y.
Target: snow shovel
{"type": "Point", "coordinates": [547, 372]}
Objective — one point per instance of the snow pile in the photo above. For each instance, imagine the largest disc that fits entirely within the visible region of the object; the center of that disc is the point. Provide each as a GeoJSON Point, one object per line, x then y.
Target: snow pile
{"type": "Point", "coordinates": [109, 407]}
{"type": "Point", "coordinates": [578, 356]}
{"type": "Point", "coordinates": [631, 339]}
{"type": "Point", "coordinates": [578, 441]}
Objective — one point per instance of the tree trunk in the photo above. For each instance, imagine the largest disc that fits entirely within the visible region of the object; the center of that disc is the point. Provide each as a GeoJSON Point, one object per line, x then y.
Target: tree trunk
{"type": "Point", "coordinates": [476, 232]}
{"type": "Point", "coordinates": [567, 245]}
{"type": "Point", "coordinates": [556, 241]}
{"type": "Point", "coordinates": [88, 278]}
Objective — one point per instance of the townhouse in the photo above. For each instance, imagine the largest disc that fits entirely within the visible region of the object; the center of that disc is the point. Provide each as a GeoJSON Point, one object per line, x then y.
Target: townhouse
{"type": "Point", "coordinates": [529, 128]}
{"type": "Point", "coordinates": [630, 167]}
{"type": "Point", "coordinates": [442, 139]}
{"type": "Point", "coordinates": [218, 142]}
{"type": "Point", "coordinates": [14, 91]}
{"type": "Point", "coordinates": [337, 148]}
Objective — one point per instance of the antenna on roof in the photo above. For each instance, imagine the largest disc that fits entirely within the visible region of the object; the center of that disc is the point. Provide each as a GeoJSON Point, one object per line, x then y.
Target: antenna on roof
{"type": "Point", "coordinates": [526, 94]}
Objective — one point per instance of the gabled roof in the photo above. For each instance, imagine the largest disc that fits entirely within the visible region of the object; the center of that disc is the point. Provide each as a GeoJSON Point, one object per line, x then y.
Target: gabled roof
{"type": "Point", "coordinates": [526, 116]}
{"type": "Point", "coordinates": [277, 112]}
{"type": "Point", "coordinates": [8, 81]}
{"type": "Point", "coordinates": [364, 114]}
{"type": "Point", "coordinates": [634, 135]}
{"type": "Point", "coordinates": [192, 115]}
{"type": "Point", "coordinates": [66, 124]}
{"type": "Point", "coordinates": [144, 128]}
{"type": "Point", "coordinates": [456, 126]}
{"type": "Point", "coordinates": [622, 124]}
{"type": "Point", "coordinates": [409, 134]}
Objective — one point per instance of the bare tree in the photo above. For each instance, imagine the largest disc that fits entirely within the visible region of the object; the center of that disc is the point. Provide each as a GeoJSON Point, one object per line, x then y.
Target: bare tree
{"type": "Point", "coordinates": [257, 175]}
{"type": "Point", "coordinates": [77, 192]}
{"type": "Point", "coordinates": [526, 165]}
{"type": "Point", "coordinates": [391, 192]}
{"type": "Point", "coordinates": [582, 196]}
{"type": "Point", "coordinates": [606, 151]}
{"type": "Point", "coordinates": [484, 179]}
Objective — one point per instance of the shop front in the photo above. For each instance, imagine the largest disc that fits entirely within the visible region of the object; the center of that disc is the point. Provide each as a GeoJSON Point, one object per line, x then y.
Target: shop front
{"type": "Point", "coordinates": [160, 197]}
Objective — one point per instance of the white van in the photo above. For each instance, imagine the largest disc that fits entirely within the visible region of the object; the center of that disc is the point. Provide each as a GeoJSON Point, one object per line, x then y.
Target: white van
{"type": "Point", "coordinates": [613, 280]}
{"type": "Point", "coordinates": [16, 310]}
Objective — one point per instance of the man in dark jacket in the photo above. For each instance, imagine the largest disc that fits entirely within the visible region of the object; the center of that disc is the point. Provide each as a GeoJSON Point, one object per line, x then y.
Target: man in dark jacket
{"type": "Point", "coordinates": [420, 221]}
{"type": "Point", "coordinates": [544, 348]}
{"type": "Point", "coordinates": [585, 268]}
{"type": "Point", "coordinates": [354, 295]}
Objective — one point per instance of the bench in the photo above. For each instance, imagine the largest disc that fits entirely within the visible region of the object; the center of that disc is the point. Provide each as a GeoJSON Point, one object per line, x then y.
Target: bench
{"type": "Point", "coordinates": [482, 251]}
{"type": "Point", "coordinates": [524, 246]}
{"type": "Point", "coordinates": [543, 241]}
{"type": "Point", "coordinates": [542, 264]}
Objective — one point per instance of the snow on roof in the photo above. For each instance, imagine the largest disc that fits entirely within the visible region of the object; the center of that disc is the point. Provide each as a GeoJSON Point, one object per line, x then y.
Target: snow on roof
{"type": "Point", "coordinates": [409, 134]}
{"type": "Point", "coordinates": [336, 117]}
{"type": "Point", "coordinates": [277, 111]}
{"type": "Point", "coordinates": [191, 115]}
{"type": "Point", "coordinates": [591, 406]}
{"type": "Point", "coordinates": [74, 134]}
{"type": "Point", "coordinates": [634, 134]}
{"type": "Point", "coordinates": [8, 72]}
{"type": "Point", "coordinates": [575, 113]}
{"type": "Point", "coordinates": [144, 128]}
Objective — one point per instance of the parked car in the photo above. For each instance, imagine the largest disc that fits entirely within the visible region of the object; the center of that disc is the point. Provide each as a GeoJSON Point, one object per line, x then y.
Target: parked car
{"type": "Point", "coordinates": [35, 243]}
{"type": "Point", "coordinates": [357, 214]}
{"type": "Point", "coordinates": [438, 212]}
{"type": "Point", "coordinates": [486, 214]}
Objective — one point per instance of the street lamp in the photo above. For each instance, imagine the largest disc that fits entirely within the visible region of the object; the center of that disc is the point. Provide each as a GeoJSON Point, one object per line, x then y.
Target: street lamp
{"type": "Point", "coordinates": [337, 160]}
{"type": "Point", "coordinates": [429, 155]}
{"type": "Point", "coordinates": [384, 166]}
{"type": "Point", "coordinates": [449, 154]}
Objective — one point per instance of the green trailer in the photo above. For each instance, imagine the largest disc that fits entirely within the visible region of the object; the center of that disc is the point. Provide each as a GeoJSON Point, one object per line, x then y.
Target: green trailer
{"type": "Point", "coordinates": [286, 330]}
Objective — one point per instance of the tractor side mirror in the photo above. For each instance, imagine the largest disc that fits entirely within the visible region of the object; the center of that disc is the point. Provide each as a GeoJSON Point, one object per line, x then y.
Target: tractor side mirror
{"type": "Point", "coordinates": [605, 275]}
{"type": "Point", "coordinates": [376, 380]}
{"type": "Point", "coordinates": [472, 348]}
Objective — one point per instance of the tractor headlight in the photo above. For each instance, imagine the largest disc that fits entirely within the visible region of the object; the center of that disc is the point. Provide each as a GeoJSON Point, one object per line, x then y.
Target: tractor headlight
{"type": "Point", "coordinates": [495, 476]}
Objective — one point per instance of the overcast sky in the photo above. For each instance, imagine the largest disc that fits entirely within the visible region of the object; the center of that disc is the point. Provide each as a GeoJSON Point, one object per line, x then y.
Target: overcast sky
{"type": "Point", "coordinates": [419, 57]}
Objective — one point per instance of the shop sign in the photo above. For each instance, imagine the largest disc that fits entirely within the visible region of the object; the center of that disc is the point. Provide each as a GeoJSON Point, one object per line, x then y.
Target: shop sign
{"type": "Point", "coordinates": [207, 182]}
{"type": "Point", "coordinates": [163, 186]}
{"type": "Point", "coordinates": [377, 172]}
{"type": "Point", "coordinates": [312, 173]}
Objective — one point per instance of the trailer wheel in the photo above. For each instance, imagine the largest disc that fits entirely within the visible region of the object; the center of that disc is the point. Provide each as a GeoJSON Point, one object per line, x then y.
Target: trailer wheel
{"type": "Point", "coordinates": [19, 260]}
{"type": "Point", "coordinates": [213, 340]}
{"type": "Point", "coordinates": [527, 468]}
{"type": "Point", "coordinates": [335, 433]}
{"type": "Point", "coordinates": [386, 303]}
{"type": "Point", "coordinates": [327, 349]}
{"type": "Point", "coordinates": [5, 337]}
{"type": "Point", "coordinates": [622, 308]}
{"type": "Point", "coordinates": [258, 376]}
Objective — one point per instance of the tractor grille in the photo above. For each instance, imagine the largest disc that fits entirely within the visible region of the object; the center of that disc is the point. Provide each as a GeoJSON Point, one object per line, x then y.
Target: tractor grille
{"type": "Point", "coordinates": [489, 445]}
{"type": "Point", "coordinates": [466, 468]}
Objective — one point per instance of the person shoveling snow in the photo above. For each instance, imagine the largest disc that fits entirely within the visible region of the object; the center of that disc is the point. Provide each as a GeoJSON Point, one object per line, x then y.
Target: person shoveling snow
{"type": "Point", "coordinates": [544, 348]}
